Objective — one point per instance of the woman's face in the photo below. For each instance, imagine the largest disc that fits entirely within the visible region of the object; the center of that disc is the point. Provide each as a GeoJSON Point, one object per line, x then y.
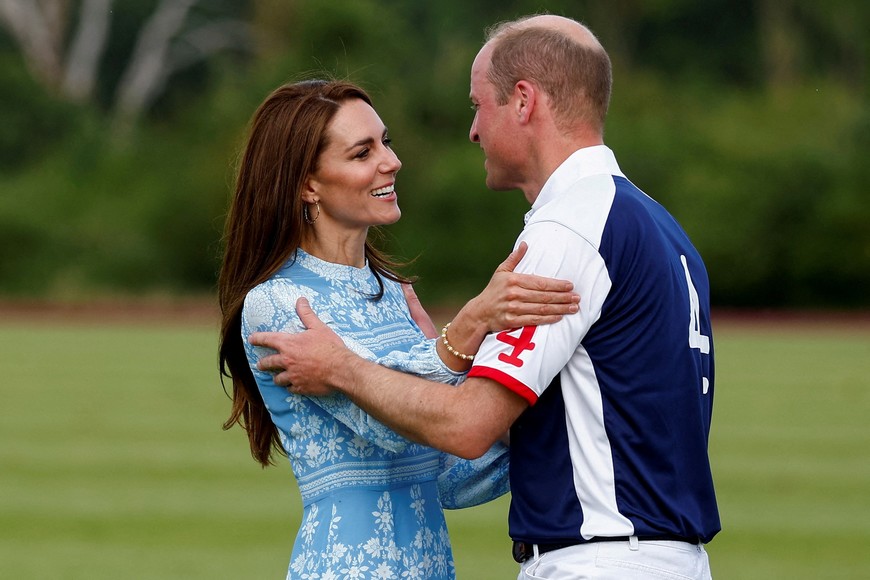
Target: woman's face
{"type": "Point", "coordinates": [355, 181]}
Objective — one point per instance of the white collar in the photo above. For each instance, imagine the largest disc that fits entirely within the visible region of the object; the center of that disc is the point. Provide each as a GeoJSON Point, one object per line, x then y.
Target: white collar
{"type": "Point", "coordinates": [595, 160]}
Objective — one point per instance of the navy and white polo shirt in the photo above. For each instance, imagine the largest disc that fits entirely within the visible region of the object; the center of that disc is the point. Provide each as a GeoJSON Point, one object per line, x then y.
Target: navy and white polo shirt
{"type": "Point", "coordinates": [615, 440]}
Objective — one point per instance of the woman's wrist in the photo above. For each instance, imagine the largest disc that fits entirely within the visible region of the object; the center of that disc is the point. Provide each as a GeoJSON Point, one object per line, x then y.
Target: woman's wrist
{"type": "Point", "coordinates": [462, 336]}
{"type": "Point", "coordinates": [446, 342]}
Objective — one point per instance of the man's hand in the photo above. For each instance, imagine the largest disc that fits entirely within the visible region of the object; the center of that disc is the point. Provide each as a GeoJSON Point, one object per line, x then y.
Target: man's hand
{"type": "Point", "coordinates": [305, 361]}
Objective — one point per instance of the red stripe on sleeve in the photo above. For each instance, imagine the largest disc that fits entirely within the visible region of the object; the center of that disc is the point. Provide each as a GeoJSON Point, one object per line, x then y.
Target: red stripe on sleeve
{"type": "Point", "coordinates": [505, 380]}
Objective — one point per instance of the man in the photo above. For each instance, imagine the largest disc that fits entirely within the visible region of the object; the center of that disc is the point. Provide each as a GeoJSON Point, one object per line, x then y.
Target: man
{"type": "Point", "coordinates": [609, 409]}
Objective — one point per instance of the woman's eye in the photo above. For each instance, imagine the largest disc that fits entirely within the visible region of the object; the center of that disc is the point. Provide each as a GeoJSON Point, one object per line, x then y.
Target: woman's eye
{"type": "Point", "coordinates": [362, 154]}
{"type": "Point", "coordinates": [388, 142]}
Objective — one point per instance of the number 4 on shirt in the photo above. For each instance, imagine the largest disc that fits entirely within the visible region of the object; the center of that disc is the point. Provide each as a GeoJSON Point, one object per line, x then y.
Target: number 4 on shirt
{"type": "Point", "coordinates": [521, 343]}
{"type": "Point", "coordinates": [696, 339]}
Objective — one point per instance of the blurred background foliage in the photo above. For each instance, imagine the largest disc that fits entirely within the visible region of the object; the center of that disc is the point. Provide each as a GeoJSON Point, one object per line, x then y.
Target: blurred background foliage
{"type": "Point", "coordinates": [123, 119]}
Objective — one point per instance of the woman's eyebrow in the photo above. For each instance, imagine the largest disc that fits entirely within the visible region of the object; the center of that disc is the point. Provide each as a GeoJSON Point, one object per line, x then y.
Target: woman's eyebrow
{"type": "Point", "coordinates": [361, 142]}
{"type": "Point", "coordinates": [366, 141]}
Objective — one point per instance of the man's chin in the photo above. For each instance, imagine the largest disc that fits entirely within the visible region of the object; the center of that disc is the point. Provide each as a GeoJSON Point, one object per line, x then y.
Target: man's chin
{"type": "Point", "coordinates": [495, 184]}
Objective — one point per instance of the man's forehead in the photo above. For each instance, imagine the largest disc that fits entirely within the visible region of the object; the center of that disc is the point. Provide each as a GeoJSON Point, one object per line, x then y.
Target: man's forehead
{"type": "Point", "coordinates": [478, 71]}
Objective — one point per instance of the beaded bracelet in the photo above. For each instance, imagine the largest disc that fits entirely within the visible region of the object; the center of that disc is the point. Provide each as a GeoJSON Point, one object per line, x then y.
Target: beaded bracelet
{"type": "Point", "coordinates": [450, 349]}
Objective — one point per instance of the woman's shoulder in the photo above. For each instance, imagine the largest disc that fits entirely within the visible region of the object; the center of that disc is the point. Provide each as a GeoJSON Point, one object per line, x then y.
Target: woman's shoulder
{"type": "Point", "coordinates": [271, 303]}
{"type": "Point", "coordinates": [278, 288]}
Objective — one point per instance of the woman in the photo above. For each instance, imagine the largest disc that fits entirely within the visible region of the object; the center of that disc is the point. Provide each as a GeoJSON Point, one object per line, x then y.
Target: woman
{"type": "Point", "coordinates": [317, 173]}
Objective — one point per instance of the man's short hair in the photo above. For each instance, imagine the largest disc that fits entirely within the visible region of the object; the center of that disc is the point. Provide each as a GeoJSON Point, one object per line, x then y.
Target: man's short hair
{"type": "Point", "coordinates": [576, 77]}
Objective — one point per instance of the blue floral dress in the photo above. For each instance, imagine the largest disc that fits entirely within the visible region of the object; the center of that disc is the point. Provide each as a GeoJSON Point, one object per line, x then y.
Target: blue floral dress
{"type": "Point", "coordinates": [372, 499]}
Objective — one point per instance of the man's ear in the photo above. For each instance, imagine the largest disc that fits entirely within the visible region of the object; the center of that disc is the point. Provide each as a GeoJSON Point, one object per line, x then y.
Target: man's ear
{"type": "Point", "coordinates": [525, 99]}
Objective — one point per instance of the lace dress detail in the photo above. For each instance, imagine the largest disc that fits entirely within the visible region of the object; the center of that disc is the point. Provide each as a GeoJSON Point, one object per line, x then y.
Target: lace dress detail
{"type": "Point", "coordinates": [372, 499]}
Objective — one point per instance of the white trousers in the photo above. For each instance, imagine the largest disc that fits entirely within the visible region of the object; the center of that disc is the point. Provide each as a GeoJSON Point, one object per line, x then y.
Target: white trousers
{"type": "Point", "coordinates": [653, 559]}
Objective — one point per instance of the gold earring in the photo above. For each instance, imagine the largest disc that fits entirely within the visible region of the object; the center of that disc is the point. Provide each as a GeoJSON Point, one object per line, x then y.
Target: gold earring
{"type": "Point", "coordinates": [306, 215]}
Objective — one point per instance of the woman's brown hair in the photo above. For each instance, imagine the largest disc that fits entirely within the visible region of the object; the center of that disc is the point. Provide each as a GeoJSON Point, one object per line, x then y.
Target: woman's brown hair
{"type": "Point", "coordinates": [264, 228]}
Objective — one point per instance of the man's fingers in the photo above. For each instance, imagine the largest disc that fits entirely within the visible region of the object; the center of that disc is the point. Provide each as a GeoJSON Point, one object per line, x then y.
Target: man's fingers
{"type": "Point", "coordinates": [269, 362]}
{"type": "Point", "coordinates": [273, 363]}
{"type": "Point", "coordinates": [266, 339]}
{"type": "Point", "coordinates": [306, 315]}
{"type": "Point", "coordinates": [282, 380]}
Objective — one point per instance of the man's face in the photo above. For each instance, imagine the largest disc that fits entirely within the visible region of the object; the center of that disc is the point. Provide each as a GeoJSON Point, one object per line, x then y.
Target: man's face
{"type": "Point", "coordinates": [492, 128]}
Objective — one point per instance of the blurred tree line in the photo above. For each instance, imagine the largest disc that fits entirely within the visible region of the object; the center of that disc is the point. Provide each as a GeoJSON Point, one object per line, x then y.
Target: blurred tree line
{"type": "Point", "coordinates": [123, 119]}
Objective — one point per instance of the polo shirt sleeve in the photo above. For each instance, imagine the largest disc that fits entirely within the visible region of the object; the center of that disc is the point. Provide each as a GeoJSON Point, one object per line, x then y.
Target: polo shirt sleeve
{"type": "Point", "coordinates": [525, 360]}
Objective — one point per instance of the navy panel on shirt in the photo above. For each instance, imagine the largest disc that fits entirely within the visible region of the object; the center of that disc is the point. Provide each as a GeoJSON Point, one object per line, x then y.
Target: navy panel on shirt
{"type": "Point", "coordinates": [547, 494]}
{"type": "Point", "coordinates": [656, 412]}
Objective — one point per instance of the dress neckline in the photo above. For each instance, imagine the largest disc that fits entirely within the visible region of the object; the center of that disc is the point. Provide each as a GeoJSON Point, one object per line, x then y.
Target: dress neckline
{"type": "Point", "coordinates": [332, 270]}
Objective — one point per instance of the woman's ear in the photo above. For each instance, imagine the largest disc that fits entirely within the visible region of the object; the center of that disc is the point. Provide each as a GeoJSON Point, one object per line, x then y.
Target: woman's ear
{"type": "Point", "coordinates": [309, 190]}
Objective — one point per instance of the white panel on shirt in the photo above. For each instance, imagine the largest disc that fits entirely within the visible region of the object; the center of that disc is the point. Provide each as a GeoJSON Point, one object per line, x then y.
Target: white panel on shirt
{"type": "Point", "coordinates": [563, 237]}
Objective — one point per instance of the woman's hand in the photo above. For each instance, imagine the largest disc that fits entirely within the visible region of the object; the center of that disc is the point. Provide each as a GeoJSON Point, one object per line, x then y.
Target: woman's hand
{"type": "Point", "coordinates": [510, 300]}
{"type": "Point", "coordinates": [418, 313]}
{"type": "Point", "coordinates": [513, 300]}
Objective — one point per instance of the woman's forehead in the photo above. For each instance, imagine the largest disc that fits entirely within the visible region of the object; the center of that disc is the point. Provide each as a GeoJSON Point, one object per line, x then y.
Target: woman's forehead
{"type": "Point", "coordinates": [355, 120]}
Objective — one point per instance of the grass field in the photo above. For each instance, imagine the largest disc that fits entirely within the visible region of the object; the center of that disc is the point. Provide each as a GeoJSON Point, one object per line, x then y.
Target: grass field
{"type": "Point", "coordinates": [113, 463]}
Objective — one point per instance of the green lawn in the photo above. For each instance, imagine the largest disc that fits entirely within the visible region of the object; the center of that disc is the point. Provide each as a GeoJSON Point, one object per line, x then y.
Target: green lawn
{"type": "Point", "coordinates": [113, 463]}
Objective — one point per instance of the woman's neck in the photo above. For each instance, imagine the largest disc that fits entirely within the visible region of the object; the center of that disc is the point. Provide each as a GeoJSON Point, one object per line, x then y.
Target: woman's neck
{"type": "Point", "coordinates": [349, 251]}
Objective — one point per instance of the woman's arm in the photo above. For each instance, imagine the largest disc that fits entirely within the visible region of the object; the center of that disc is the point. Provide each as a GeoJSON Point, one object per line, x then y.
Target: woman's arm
{"type": "Point", "coordinates": [510, 300]}
{"type": "Point", "coordinates": [464, 483]}
{"type": "Point", "coordinates": [418, 313]}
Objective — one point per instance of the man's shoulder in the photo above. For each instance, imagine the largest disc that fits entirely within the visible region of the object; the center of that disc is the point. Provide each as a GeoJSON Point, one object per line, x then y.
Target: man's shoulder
{"type": "Point", "coordinates": [583, 207]}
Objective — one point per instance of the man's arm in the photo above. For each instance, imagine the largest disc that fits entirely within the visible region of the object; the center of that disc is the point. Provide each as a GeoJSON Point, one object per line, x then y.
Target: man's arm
{"type": "Point", "coordinates": [464, 420]}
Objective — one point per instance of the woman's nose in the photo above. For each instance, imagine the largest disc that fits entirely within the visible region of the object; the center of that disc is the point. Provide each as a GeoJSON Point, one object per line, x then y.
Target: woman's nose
{"type": "Point", "coordinates": [391, 163]}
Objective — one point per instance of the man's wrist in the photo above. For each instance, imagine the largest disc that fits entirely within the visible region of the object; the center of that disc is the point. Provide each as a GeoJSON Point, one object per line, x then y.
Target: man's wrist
{"type": "Point", "coordinates": [345, 370]}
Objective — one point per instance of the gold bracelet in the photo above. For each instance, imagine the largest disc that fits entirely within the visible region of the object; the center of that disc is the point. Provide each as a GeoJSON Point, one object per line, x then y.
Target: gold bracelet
{"type": "Point", "coordinates": [450, 349]}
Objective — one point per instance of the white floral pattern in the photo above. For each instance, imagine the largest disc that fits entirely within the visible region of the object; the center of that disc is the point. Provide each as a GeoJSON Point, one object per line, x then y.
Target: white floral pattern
{"type": "Point", "coordinates": [372, 499]}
